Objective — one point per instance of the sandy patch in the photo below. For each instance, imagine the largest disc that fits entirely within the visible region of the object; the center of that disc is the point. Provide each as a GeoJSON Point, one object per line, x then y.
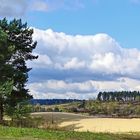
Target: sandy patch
{"type": "Point", "coordinates": [70, 121]}
{"type": "Point", "coordinates": [104, 125]}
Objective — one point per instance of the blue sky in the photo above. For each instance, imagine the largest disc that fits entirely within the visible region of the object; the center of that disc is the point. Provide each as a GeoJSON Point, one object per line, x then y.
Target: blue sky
{"type": "Point", "coordinates": [84, 46]}
{"type": "Point", "coordinates": [118, 18]}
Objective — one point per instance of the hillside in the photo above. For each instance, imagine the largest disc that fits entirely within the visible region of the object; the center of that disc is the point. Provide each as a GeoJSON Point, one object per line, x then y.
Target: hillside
{"type": "Point", "coordinates": [111, 109]}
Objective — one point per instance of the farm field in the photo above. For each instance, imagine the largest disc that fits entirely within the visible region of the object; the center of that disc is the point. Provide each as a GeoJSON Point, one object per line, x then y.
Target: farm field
{"type": "Point", "coordinates": [76, 122]}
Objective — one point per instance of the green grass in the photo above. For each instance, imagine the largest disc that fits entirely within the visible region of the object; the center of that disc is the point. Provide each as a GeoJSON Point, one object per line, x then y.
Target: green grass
{"type": "Point", "coordinates": [11, 133]}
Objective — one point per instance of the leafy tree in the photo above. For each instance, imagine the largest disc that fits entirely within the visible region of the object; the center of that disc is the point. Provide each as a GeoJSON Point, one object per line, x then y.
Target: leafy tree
{"type": "Point", "coordinates": [19, 38]}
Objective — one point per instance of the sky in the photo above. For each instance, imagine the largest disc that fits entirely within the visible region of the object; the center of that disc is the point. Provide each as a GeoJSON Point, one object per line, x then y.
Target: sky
{"type": "Point", "coordinates": [84, 46]}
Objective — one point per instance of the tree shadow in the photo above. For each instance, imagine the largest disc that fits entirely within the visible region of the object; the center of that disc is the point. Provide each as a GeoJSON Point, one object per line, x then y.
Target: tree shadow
{"type": "Point", "coordinates": [70, 127]}
{"type": "Point", "coordinates": [57, 118]}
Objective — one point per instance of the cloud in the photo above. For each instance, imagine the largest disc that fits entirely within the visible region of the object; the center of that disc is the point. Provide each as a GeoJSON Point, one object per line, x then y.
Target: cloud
{"type": "Point", "coordinates": [74, 63]}
{"type": "Point", "coordinates": [62, 89]}
{"type": "Point", "coordinates": [51, 5]}
{"type": "Point", "coordinates": [85, 57]}
{"type": "Point", "coordinates": [42, 62]}
{"type": "Point", "coordinates": [12, 8]}
{"type": "Point", "coordinates": [18, 8]}
{"type": "Point", "coordinates": [67, 63]}
{"type": "Point", "coordinates": [84, 90]}
{"type": "Point", "coordinates": [40, 5]}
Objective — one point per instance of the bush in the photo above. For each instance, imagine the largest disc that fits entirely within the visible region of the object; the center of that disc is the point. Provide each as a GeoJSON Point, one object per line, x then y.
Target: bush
{"type": "Point", "coordinates": [56, 109]}
{"type": "Point", "coordinates": [30, 122]}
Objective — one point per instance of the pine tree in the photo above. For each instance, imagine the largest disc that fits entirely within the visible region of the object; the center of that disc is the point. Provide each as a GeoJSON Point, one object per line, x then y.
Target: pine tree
{"type": "Point", "coordinates": [19, 37]}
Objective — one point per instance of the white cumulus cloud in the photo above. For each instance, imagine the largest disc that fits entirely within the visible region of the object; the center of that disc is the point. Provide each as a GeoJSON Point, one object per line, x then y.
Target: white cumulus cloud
{"type": "Point", "coordinates": [94, 54]}
{"type": "Point", "coordinates": [69, 59]}
{"type": "Point", "coordinates": [83, 90]}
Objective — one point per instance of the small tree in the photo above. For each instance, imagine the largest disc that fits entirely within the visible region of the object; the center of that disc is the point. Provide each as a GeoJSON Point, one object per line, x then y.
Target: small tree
{"type": "Point", "coordinates": [20, 114]}
{"type": "Point", "coordinates": [5, 91]}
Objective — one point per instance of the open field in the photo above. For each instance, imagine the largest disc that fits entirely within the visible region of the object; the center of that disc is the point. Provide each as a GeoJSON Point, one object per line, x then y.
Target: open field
{"type": "Point", "coordinates": [70, 121]}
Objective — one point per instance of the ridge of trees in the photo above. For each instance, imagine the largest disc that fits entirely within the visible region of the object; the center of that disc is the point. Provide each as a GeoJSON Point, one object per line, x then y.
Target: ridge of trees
{"type": "Point", "coordinates": [119, 96]}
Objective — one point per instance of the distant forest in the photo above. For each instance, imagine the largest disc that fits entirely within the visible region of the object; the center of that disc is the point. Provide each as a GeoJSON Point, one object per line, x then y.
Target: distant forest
{"type": "Point", "coordinates": [118, 96]}
{"type": "Point", "coordinates": [124, 96]}
{"type": "Point", "coordinates": [52, 101]}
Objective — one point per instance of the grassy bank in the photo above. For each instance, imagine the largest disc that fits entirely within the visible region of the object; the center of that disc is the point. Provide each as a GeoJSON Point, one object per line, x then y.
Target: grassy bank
{"type": "Point", "coordinates": [11, 133]}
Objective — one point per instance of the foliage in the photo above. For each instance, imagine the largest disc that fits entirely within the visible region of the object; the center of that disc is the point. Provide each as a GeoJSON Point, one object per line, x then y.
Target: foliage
{"type": "Point", "coordinates": [6, 82]}
{"type": "Point", "coordinates": [97, 108]}
{"type": "Point", "coordinates": [113, 109]}
{"type": "Point", "coordinates": [21, 111]}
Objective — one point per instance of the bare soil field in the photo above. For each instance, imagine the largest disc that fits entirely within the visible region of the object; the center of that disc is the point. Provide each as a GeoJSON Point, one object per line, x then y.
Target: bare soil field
{"type": "Point", "coordinates": [70, 121]}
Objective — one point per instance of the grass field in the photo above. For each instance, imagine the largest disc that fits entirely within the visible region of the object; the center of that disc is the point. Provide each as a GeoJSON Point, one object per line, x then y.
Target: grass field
{"type": "Point", "coordinates": [70, 121]}
{"type": "Point", "coordinates": [11, 133]}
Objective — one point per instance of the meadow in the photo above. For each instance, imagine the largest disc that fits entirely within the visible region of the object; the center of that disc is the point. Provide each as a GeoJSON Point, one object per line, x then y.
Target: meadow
{"type": "Point", "coordinates": [70, 126]}
{"type": "Point", "coordinates": [11, 133]}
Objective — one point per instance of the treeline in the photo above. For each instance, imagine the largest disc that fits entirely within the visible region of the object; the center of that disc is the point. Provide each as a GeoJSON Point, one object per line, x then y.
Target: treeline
{"type": "Point", "coordinates": [51, 101]}
{"type": "Point", "coordinates": [119, 96]}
